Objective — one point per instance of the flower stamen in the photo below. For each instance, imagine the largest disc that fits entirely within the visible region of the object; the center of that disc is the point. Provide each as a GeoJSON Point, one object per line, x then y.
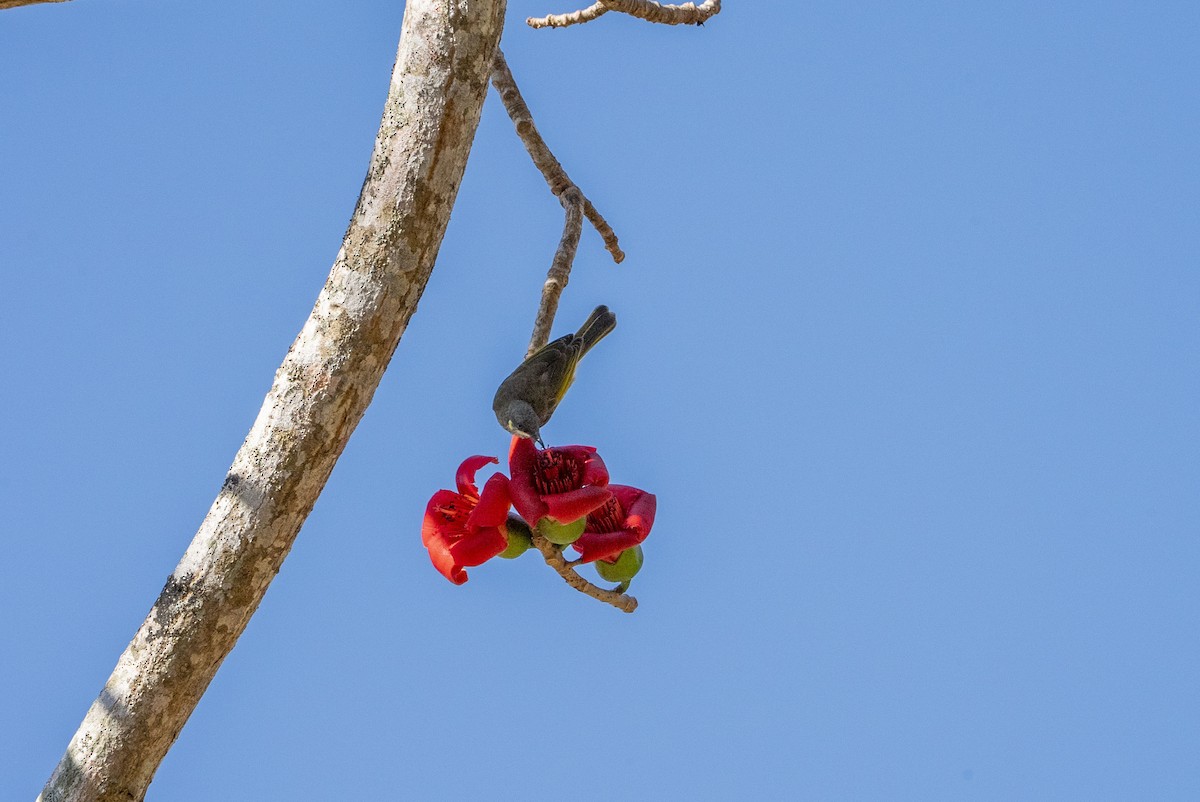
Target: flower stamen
{"type": "Point", "coordinates": [556, 473]}
{"type": "Point", "coordinates": [609, 518]}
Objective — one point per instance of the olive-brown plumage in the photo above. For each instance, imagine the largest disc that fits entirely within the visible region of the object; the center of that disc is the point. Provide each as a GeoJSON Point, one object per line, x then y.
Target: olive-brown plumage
{"type": "Point", "coordinates": [525, 400]}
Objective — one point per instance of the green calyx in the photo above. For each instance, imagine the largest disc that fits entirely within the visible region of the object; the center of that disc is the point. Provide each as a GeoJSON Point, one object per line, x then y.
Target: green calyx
{"type": "Point", "coordinates": [561, 534]}
{"type": "Point", "coordinates": [624, 568]}
{"type": "Point", "coordinates": [519, 539]}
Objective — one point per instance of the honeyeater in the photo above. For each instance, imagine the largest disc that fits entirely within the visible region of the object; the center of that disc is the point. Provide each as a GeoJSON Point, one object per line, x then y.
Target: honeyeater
{"type": "Point", "coordinates": [525, 400]}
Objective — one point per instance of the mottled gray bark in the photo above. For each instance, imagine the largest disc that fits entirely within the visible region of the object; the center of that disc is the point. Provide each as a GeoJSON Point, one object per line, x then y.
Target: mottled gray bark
{"type": "Point", "coordinates": [320, 393]}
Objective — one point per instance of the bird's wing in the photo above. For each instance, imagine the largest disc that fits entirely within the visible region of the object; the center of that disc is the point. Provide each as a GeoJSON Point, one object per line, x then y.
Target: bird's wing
{"type": "Point", "coordinates": [551, 370]}
{"type": "Point", "coordinates": [572, 352]}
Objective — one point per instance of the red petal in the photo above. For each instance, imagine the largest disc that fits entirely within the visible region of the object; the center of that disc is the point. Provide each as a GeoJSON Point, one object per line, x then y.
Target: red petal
{"type": "Point", "coordinates": [594, 470]}
{"type": "Point", "coordinates": [479, 547]}
{"type": "Point", "coordinates": [447, 512]}
{"type": "Point", "coordinates": [516, 443]}
{"type": "Point", "coordinates": [574, 504]}
{"type": "Point", "coordinates": [605, 545]}
{"type": "Point", "coordinates": [465, 479]}
{"type": "Point", "coordinates": [578, 453]}
{"type": "Point", "coordinates": [522, 459]}
{"type": "Point", "coordinates": [492, 509]}
{"type": "Point", "coordinates": [451, 545]}
{"type": "Point", "coordinates": [526, 501]}
{"type": "Point", "coordinates": [639, 507]}
{"type": "Point", "coordinates": [437, 535]}
{"type": "Point", "coordinates": [444, 563]}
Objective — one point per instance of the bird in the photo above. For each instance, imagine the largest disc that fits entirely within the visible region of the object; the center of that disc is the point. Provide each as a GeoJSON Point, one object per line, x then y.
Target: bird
{"type": "Point", "coordinates": [525, 400]}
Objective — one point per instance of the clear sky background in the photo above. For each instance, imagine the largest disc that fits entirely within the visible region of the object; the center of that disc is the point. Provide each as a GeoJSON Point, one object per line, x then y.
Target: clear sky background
{"type": "Point", "coordinates": [908, 346]}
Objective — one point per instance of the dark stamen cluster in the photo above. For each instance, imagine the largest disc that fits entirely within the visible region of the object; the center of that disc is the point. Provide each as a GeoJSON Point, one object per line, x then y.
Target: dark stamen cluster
{"type": "Point", "coordinates": [609, 518]}
{"type": "Point", "coordinates": [556, 473]}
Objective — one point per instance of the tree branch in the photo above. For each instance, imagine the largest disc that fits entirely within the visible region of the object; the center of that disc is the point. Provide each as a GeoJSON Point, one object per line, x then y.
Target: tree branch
{"type": "Point", "coordinates": [14, 3]}
{"type": "Point", "coordinates": [573, 18]}
{"type": "Point", "coordinates": [685, 14]}
{"type": "Point", "coordinates": [319, 394]}
{"type": "Point", "coordinates": [560, 268]}
{"type": "Point", "coordinates": [554, 558]}
{"type": "Point", "coordinates": [539, 151]}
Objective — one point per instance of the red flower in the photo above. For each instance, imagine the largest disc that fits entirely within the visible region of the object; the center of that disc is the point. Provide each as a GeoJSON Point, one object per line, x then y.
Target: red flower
{"type": "Point", "coordinates": [466, 528]}
{"type": "Point", "coordinates": [564, 483]}
{"type": "Point", "coordinates": [622, 523]}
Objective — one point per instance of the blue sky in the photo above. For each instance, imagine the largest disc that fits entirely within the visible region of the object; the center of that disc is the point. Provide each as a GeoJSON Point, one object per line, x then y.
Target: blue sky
{"type": "Point", "coordinates": [907, 350]}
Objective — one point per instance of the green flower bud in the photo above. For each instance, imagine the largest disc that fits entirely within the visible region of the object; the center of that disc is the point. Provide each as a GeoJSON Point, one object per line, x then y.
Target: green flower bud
{"type": "Point", "coordinates": [561, 534]}
{"type": "Point", "coordinates": [624, 568]}
{"type": "Point", "coordinates": [519, 540]}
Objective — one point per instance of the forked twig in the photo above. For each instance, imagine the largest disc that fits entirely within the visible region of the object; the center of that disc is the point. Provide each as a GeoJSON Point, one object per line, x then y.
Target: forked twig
{"type": "Point", "coordinates": [539, 151]}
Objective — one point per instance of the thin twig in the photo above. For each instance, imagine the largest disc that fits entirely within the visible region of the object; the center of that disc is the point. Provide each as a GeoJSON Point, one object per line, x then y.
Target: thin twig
{"type": "Point", "coordinates": [685, 14]}
{"type": "Point", "coordinates": [554, 558]}
{"type": "Point", "coordinates": [539, 151]}
{"type": "Point", "coordinates": [560, 268]}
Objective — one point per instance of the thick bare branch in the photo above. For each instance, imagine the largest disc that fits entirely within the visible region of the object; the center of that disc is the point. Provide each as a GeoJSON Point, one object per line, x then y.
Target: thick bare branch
{"type": "Point", "coordinates": [539, 151]}
{"type": "Point", "coordinates": [684, 14]}
{"type": "Point", "coordinates": [14, 3]}
{"type": "Point", "coordinates": [319, 394]}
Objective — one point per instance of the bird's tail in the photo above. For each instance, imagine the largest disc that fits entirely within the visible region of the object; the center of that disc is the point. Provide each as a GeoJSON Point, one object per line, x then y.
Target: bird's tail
{"type": "Point", "coordinates": [599, 323]}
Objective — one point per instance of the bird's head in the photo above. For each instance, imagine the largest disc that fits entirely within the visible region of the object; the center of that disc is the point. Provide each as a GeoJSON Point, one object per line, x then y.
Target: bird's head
{"type": "Point", "coordinates": [522, 421]}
